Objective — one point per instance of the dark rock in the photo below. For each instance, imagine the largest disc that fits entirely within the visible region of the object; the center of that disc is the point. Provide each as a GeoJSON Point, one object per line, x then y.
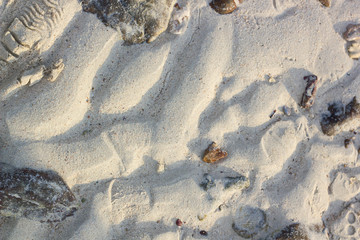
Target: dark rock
{"type": "Point", "coordinates": [293, 232]}
{"type": "Point", "coordinates": [223, 6]}
{"type": "Point", "coordinates": [207, 182]}
{"type": "Point", "coordinates": [37, 195]}
{"type": "Point", "coordinates": [137, 20]}
{"type": "Point", "coordinates": [339, 116]}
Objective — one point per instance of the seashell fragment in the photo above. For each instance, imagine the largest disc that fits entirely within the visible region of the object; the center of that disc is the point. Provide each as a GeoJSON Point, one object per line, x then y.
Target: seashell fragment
{"type": "Point", "coordinates": [179, 19]}
{"type": "Point", "coordinates": [37, 195]}
{"type": "Point", "coordinates": [352, 32]}
{"type": "Point", "coordinates": [308, 97]}
{"type": "Point", "coordinates": [52, 73]}
{"type": "Point", "coordinates": [354, 50]}
{"type": "Point", "coordinates": [213, 154]}
{"type": "Point", "coordinates": [32, 76]}
{"type": "Point", "coordinates": [332, 123]}
{"type": "Point", "coordinates": [223, 6]}
{"type": "Point", "coordinates": [326, 3]}
{"type": "Point", "coordinates": [293, 232]}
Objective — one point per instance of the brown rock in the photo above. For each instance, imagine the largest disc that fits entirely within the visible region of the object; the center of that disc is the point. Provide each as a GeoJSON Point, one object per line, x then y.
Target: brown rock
{"type": "Point", "coordinates": [213, 154]}
{"type": "Point", "coordinates": [179, 223]}
{"type": "Point", "coordinates": [223, 6]}
{"type": "Point", "coordinates": [326, 3]}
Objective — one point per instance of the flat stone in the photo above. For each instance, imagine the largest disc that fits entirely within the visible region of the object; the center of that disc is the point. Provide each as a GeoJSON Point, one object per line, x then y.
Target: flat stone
{"type": "Point", "coordinates": [37, 195]}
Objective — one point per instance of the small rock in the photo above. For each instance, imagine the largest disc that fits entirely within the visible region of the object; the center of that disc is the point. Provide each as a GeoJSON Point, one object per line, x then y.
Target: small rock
{"type": "Point", "coordinates": [223, 6]}
{"type": "Point", "coordinates": [339, 116]}
{"type": "Point", "coordinates": [271, 79]}
{"type": "Point", "coordinates": [179, 223]}
{"type": "Point", "coordinates": [249, 221]}
{"type": "Point", "coordinates": [308, 97]}
{"type": "Point", "coordinates": [347, 142]}
{"type": "Point", "coordinates": [213, 154]}
{"type": "Point", "coordinates": [287, 110]}
{"type": "Point", "coordinates": [293, 232]}
{"type": "Point", "coordinates": [326, 3]}
{"type": "Point", "coordinates": [352, 32]}
{"type": "Point", "coordinates": [201, 217]}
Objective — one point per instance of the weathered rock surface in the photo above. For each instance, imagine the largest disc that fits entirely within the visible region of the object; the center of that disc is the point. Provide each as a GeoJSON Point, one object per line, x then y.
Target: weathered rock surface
{"type": "Point", "coordinates": [137, 20]}
{"type": "Point", "coordinates": [37, 195]}
{"type": "Point", "coordinates": [293, 232]}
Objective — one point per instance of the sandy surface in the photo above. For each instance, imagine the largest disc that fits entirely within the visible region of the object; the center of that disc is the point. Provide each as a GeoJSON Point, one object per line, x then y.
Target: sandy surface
{"type": "Point", "coordinates": [126, 126]}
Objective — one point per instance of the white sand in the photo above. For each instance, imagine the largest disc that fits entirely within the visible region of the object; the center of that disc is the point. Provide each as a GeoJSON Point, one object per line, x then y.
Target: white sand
{"type": "Point", "coordinates": [126, 126]}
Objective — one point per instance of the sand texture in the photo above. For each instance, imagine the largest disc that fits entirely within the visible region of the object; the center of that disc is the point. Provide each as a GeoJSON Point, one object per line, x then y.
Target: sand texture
{"type": "Point", "coordinates": [120, 100]}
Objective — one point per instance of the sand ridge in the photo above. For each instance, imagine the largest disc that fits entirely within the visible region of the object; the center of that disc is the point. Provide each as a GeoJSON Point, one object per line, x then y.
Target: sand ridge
{"type": "Point", "coordinates": [126, 126]}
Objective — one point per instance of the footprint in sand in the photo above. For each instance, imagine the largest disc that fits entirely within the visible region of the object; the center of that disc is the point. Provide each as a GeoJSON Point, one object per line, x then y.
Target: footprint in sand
{"type": "Point", "coordinates": [345, 225]}
{"type": "Point", "coordinates": [31, 28]}
{"type": "Point", "coordinates": [344, 188]}
{"type": "Point", "coordinates": [345, 185]}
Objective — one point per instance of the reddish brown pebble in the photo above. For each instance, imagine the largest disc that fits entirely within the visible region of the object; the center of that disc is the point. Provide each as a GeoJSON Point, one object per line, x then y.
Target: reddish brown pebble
{"type": "Point", "coordinates": [223, 6]}
{"type": "Point", "coordinates": [179, 223]}
{"type": "Point", "coordinates": [203, 232]}
{"type": "Point", "coordinates": [213, 154]}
